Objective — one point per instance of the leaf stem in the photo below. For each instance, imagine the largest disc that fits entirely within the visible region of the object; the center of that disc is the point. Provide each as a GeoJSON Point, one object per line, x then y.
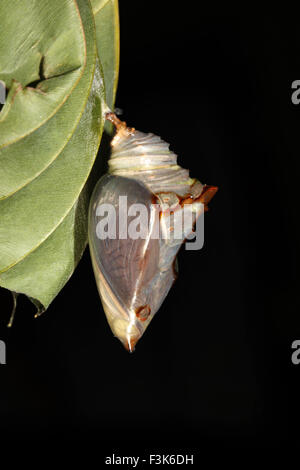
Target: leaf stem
{"type": "Point", "coordinates": [12, 315]}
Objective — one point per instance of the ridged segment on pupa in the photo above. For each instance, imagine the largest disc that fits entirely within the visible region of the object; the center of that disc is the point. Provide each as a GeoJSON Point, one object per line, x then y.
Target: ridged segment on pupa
{"type": "Point", "coordinates": [134, 276]}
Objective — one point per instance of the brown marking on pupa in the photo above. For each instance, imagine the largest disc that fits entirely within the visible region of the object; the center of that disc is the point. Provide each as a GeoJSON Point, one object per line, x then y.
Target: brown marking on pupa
{"type": "Point", "coordinates": [175, 269]}
{"type": "Point", "coordinates": [130, 344]}
{"type": "Point", "coordinates": [143, 312]}
{"type": "Point", "coordinates": [205, 197]}
{"type": "Point", "coordinates": [207, 194]}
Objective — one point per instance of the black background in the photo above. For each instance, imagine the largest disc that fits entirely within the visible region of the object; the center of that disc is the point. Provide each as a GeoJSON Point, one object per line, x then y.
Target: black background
{"type": "Point", "coordinates": [214, 367]}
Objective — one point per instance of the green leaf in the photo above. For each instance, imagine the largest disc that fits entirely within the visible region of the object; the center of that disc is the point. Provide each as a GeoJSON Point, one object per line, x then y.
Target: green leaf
{"type": "Point", "coordinates": [49, 136]}
{"type": "Point", "coordinates": [45, 270]}
{"type": "Point", "coordinates": [44, 42]}
{"type": "Point", "coordinates": [26, 158]}
{"type": "Point", "coordinates": [106, 13]}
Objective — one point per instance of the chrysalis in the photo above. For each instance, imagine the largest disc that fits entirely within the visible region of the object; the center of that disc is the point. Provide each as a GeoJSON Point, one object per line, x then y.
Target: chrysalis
{"type": "Point", "coordinates": [134, 211]}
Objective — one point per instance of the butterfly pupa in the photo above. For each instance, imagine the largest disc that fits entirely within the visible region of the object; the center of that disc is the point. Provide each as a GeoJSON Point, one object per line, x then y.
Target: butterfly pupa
{"type": "Point", "coordinates": [134, 270]}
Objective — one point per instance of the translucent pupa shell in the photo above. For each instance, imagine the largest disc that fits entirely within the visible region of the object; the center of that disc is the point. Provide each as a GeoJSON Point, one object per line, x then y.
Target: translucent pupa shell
{"type": "Point", "coordinates": [134, 275]}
